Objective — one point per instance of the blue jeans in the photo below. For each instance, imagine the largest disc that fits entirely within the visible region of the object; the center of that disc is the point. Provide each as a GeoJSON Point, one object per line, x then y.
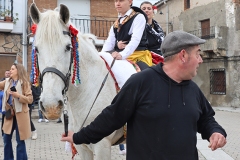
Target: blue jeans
{"type": "Point", "coordinates": [121, 147]}
{"type": "Point", "coordinates": [21, 147]}
{"type": "Point", "coordinates": [40, 114]}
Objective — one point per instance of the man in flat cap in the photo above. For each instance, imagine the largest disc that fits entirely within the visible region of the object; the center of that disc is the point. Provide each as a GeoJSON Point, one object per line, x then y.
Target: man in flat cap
{"type": "Point", "coordinates": [162, 106]}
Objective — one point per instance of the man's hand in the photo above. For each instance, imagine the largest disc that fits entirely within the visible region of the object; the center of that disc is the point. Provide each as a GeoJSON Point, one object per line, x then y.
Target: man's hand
{"type": "Point", "coordinates": [117, 55]}
{"type": "Point", "coordinates": [69, 138]}
{"type": "Point", "coordinates": [217, 140]}
{"type": "Point", "coordinates": [121, 44]}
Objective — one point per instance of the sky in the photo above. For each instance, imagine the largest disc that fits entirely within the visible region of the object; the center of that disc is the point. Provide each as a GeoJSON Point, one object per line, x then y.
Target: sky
{"type": "Point", "coordinates": [138, 2]}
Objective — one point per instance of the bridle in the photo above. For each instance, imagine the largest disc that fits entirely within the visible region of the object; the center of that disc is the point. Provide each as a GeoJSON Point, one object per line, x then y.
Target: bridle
{"type": "Point", "coordinates": [65, 78]}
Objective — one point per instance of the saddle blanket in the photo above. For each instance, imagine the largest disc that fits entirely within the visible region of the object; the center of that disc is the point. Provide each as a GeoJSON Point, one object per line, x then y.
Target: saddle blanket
{"type": "Point", "coordinates": [122, 69]}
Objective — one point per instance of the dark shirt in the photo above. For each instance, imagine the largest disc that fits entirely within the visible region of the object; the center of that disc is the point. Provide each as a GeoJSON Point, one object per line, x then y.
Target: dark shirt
{"type": "Point", "coordinates": [162, 117]}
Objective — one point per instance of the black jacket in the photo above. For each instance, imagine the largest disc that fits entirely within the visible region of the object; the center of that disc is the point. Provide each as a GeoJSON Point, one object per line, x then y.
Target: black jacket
{"type": "Point", "coordinates": [162, 117]}
{"type": "Point", "coordinates": [154, 37]}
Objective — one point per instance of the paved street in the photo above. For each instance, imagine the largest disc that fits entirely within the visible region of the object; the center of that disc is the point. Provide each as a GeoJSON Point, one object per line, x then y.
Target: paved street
{"type": "Point", "coordinates": [49, 147]}
{"type": "Point", "coordinates": [231, 123]}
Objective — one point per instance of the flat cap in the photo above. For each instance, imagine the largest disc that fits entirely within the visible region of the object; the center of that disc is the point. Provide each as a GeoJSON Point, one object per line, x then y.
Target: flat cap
{"type": "Point", "coordinates": [175, 41]}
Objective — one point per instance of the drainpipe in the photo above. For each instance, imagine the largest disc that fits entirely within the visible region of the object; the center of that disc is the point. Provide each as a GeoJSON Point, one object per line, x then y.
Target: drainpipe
{"type": "Point", "coordinates": [24, 49]}
{"type": "Point", "coordinates": [167, 19]}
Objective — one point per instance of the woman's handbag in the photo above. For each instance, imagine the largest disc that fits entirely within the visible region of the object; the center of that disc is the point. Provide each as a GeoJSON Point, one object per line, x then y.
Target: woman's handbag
{"type": "Point", "coordinates": [9, 114]}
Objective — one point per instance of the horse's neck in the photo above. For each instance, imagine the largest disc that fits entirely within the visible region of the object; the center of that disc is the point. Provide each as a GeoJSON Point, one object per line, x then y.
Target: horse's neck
{"type": "Point", "coordinates": [81, 98]}
{"type": "Point", "coordinates": [92, 73]}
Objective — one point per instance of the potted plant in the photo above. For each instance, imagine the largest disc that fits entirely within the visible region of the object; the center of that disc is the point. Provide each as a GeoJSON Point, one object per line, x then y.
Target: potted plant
{"type": "Point", "coordinates": [7, 16]}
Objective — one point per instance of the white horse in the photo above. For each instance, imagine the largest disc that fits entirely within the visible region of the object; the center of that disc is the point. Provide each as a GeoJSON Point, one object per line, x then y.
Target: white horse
{"type": "Point", "coordinates": [54, 51]}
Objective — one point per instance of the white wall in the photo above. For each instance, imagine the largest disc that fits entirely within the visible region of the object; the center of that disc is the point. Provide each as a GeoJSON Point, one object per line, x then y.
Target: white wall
{"type": "Point", "coordinates": [18, 6]}
{"type": "Point", "coordinates": [77, 7]}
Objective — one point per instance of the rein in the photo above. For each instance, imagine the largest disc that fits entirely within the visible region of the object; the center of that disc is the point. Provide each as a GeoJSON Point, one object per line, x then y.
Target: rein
{"type": "Point", "coordinates": [103, 83]}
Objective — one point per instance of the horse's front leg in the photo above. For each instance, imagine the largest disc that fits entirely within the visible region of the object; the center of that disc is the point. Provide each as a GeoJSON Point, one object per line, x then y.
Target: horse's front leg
{"type": "Point", "coordinates": [102, 150]}
{"type": "Point", "coordinates": [84, 152]}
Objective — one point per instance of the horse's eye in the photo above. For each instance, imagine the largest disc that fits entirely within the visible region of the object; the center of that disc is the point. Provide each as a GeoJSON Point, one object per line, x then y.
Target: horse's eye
{"type": "Point", "coordinates": [68, 47]}
{"type": "Point", "coordinates": [36, 49]}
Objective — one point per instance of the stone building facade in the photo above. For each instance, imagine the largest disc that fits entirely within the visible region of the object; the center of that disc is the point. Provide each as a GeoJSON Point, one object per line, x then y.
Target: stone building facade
{"type": "Point", "coordinates": [218, 22]}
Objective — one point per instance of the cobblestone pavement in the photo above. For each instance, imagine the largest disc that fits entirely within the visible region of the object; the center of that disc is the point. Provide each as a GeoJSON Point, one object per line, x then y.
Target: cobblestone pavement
{"type": "Point", "coordinates": [49, 147]}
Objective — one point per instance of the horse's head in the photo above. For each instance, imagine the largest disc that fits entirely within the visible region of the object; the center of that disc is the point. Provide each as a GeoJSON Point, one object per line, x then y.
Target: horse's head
{"type": "Point", "coordinates": [53, 47]}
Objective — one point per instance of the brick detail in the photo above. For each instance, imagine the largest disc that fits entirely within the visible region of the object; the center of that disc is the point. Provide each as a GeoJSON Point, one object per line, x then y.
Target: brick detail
{"type": "Point", "coordinates": [236, 1]}
{"type": "Point", "coordinates": [103, 8]}
{"type": "Point", "coordinates": [104, 11]}
{"type": "Point", "coordinates": [44, 4]}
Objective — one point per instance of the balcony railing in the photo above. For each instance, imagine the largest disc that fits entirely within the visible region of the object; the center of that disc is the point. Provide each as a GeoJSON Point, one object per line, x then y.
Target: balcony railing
{"type": "Point", "coordinates": [204, 33]}
{"type": "Point", "coordinates": [6, 9]}
{"type": "Point", "coordinates": [99, 28]}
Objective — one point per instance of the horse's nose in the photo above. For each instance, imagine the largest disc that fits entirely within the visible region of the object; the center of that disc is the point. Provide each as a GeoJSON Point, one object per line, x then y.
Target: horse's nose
{"type": "Point", "coordinates": [51, 111]}
{"type": "Point", "coordinates": [60, 105]}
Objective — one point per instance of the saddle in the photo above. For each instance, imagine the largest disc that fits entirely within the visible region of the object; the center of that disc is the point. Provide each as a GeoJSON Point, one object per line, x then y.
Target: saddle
{"type": "Point", "coordinates": [121, 70]}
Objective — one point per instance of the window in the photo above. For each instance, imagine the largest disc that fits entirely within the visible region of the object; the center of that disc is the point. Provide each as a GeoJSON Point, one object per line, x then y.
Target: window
{"type": "Point", "coordinates": [217, 81]}
{"type": "Point", "coordinates": [205, 28]}
{"type": "Point", "coordinates": [186, 4]}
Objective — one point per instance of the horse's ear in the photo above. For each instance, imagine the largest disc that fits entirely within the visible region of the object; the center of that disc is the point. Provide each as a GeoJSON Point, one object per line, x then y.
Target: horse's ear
{"type": "Point", "coordinates": [34, 13]}
{"type": "Point", "coordinates": [64, 13]}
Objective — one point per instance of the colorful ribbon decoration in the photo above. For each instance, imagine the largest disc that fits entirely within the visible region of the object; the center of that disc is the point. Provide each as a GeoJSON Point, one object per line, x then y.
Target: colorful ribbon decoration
{"type": "Point", "coordinates": [75, 54]}
{"type": "Point", "coordinates": [76, 71]}
{"type": "Point", "coordinates": [34, 69]}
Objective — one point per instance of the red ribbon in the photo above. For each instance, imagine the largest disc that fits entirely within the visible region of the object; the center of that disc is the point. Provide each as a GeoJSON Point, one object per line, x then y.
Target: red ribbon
{"type": "Point", "coordinates": [73, 31]}
{"type": "Point", "coordinates": [34, 28]}
{"type": "Point", "coordinates": [154, 7]}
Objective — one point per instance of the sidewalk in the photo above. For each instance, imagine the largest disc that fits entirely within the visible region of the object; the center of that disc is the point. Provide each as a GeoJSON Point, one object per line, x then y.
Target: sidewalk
{"type": "Point", "coordinates": [229, 119]}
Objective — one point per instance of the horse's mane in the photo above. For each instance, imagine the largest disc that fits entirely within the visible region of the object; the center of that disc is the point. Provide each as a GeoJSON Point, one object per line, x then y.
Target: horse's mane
{"type": "Point", "coordinates": [50, 28]}
{"type": "Point", "coordinates": [88, 39]}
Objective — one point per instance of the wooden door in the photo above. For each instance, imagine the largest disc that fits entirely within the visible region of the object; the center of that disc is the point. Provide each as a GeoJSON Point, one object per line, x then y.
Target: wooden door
{"type": "Point", "coordinates": [6, 61]}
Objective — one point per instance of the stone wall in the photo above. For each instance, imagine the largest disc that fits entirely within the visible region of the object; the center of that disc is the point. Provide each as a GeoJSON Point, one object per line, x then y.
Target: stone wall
{"type": "Point", "coordinates": [232, 70]}
{"type": "Point", "coordinates": [10, 43]}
